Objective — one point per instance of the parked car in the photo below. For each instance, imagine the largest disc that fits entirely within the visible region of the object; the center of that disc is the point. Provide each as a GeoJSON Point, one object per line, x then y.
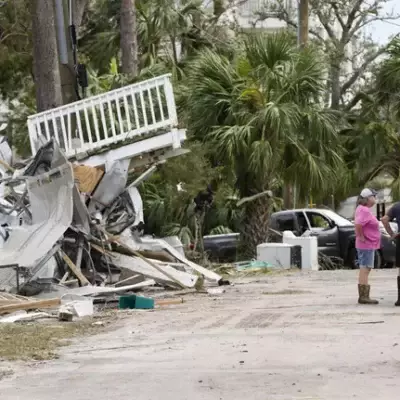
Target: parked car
{"type": "Point", "coordinates": [222, 247]}
{"type": "Point", "coordinates": [335, 234]}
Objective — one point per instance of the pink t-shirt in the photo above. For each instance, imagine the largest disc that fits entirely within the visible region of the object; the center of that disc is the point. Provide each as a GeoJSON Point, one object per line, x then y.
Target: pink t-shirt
{"type": "Point", "coordinates": [370, 227]}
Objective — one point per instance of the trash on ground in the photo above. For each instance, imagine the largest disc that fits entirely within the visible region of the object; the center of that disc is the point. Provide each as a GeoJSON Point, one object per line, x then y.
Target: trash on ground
{"type": "Point", "coordinates": [251, 265]}
{"type": "Point", "coordinates": [23, 316]}
{"type": "Point", "coordinates": [216, 291]}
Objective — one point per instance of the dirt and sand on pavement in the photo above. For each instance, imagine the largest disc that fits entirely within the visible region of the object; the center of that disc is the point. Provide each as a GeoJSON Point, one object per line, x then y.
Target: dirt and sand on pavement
{"type": "Point", "coordinates": [296, 336]}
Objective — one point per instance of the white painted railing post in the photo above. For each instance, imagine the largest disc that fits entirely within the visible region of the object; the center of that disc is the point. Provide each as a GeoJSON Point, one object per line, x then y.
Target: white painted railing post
{"type": "Point", "coordinates": [169, 94]}
{"type": "Point", "coordinates": [32, 136]}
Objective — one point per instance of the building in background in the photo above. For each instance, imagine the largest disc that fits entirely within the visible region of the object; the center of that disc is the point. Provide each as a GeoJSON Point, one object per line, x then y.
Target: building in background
{"type": "Point", "coordinates": [247, 15]}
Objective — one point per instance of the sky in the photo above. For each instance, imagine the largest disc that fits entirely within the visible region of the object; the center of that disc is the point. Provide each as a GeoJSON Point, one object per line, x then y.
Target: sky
{"type": "Point", "coordinates": [382, 30]}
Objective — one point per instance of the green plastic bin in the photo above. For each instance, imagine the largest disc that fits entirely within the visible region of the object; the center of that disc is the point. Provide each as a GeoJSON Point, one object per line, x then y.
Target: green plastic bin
{"type": "Point", "coordinates": [133, 301]}
{"type": "Point", "coordinates": [144, 303]}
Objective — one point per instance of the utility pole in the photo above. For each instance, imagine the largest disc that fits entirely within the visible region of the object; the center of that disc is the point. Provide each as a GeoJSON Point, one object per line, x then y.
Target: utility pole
{"type": "Point", "coordinates": [45, 54]}
{"type": "Point", "coordinates": [64, 19]}
{"type": "Point", "coordinates": [302, 39]}
{"type": "Point", "coordinates": [302, 35]}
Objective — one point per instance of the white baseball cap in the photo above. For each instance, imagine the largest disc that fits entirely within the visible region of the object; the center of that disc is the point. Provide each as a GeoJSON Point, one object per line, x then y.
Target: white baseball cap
{"type": "Point", "coordinates": [365, 193]}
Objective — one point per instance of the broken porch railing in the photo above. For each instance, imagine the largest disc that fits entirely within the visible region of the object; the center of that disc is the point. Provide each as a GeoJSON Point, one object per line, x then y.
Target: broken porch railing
{"type": "Point", "coordinates": [141, 109]}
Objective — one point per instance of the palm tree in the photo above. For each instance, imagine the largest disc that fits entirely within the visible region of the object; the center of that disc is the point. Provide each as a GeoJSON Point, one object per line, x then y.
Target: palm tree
{"type": "Point", "coordinates": [373, 142]}
{"type": "Point", "coordinates": [262, 113]}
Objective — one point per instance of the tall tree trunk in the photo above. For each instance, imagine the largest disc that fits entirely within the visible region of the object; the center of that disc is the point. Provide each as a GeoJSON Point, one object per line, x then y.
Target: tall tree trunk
{"type": "Point", "coordinates": [129, 38]}
{"type": "Point", "coordinates": [302, 40]}
{"type": "Point", "coordinates": [288, 196]}
{"type": "Point", "coordinates": [255, 225]}
{"type": "Point", "coordinates": [45, 55]}
{"type": "Point", "coordinates": [335, 86]}
{"type": "Point", "coordinates": [303, 26]}
{"type": "Point", "coordinates": [174, 50]}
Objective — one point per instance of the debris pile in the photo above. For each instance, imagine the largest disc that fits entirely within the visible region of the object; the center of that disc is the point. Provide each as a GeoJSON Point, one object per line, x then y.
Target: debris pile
{"type": "Point", "coordinates": [72, 229]}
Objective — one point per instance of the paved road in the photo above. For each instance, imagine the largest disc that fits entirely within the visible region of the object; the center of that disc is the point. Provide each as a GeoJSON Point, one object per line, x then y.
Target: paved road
{"type": "Point", "coordinates": [310, 341]}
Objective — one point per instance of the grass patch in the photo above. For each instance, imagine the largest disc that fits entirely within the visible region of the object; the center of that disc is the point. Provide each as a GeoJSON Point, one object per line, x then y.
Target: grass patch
{"type": "Point", "coordinates": [286, 292]}
{"type": "Point", "coordinates": [39, 341]}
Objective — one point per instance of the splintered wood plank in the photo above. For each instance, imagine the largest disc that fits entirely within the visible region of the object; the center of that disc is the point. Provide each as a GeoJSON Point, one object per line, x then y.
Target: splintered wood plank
{"type": "Point", "coordinates": [75, 270]}
{"type": "Point", "coordinates": [88, 177]}
{"type": "Point", "coordinates": [30, 305]}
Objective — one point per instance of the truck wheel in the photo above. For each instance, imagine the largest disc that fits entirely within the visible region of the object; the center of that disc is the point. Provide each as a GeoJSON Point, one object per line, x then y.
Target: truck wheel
{"type": "Point", "coordinates": [378, 260]}
{"type": "Point", "coordinates": [352, 258]}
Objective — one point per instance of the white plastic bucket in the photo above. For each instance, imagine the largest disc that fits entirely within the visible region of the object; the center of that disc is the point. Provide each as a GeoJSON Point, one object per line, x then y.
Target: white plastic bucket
{"type": "Point", "coordinates": [82, 306]}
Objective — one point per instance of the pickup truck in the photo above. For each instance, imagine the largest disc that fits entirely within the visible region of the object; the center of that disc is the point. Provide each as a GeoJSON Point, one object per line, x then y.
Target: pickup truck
{"type": "Point", "coordinates": [335, 236]}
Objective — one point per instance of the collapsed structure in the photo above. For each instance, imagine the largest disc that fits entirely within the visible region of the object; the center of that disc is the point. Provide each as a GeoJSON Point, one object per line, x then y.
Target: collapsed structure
{"type": "Point", "coordinates": [72, 217]}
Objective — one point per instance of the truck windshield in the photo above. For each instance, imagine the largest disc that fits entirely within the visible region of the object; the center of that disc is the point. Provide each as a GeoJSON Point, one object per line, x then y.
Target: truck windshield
{"type": "Point", "coordinates": [338, 219]}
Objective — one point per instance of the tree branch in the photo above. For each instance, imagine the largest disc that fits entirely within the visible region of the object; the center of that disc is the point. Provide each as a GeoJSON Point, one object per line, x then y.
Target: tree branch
{"type": "Point", "coordinates": [337, 14]}
{"type": "Point", "coordinates": [80, 10]}
{"type": "Point", "coordinates": [370, 20]}
{"type": "Point", "coordinates": [326, 25]}
{"type": "Point", "coordinates": [357, 98]}
{"type": "Point", "coordinates": [349, 30]}
{"type": "Point", "coordinates": [346, 86]}
{"type": "Point", "coordinates": [353, 13]}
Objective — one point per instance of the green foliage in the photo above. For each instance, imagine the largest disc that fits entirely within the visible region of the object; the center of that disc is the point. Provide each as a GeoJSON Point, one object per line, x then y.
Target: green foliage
{"type": "Point", "coordinates": [18, 112]}
{"type": "Point", "coordinates": [261, 111]}
{"type": "Point", "coordinates": [388, 82]}
{"type": "Point", "coordinates": [170, 211]}
{"type": "Point", "coordinates": [15, 47]}
{"type": "Point", "coordinates": [372, 142]}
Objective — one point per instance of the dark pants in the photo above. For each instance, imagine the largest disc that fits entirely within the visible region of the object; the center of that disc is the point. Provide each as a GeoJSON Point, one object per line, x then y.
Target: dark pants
{"type": "Point", "coordinates": [397, 241]}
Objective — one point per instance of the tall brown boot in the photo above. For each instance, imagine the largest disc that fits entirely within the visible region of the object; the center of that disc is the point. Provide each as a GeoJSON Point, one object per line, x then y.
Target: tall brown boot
{"type": "Point", "coordinates": [397, 304]}
{"type": "Point", "coordinates": [363, 295]}
{"type": "Point", "coordinates": [371, 301]}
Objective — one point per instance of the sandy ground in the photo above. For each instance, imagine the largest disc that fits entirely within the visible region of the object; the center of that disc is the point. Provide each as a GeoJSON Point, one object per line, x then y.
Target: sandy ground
{"type": "Point", "coordinates": [309, 340]}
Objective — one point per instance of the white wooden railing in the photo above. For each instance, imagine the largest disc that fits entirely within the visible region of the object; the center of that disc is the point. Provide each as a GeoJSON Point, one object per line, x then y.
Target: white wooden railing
{"type": "Point", "coordinates": [87, 125]}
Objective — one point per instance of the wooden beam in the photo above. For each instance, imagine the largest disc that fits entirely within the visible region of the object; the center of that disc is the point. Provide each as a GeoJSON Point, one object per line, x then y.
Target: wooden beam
{"type": "Point", "coordinates": [30, 305]}
{"type": "Point", "coordinates": [82, 278]}
{"type": "Point", "coordinates": [167, 302]}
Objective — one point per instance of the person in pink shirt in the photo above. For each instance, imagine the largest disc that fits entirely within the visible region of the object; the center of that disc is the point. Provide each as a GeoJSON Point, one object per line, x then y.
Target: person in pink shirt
{"type": "Point", "coordinates": [368, 239]}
